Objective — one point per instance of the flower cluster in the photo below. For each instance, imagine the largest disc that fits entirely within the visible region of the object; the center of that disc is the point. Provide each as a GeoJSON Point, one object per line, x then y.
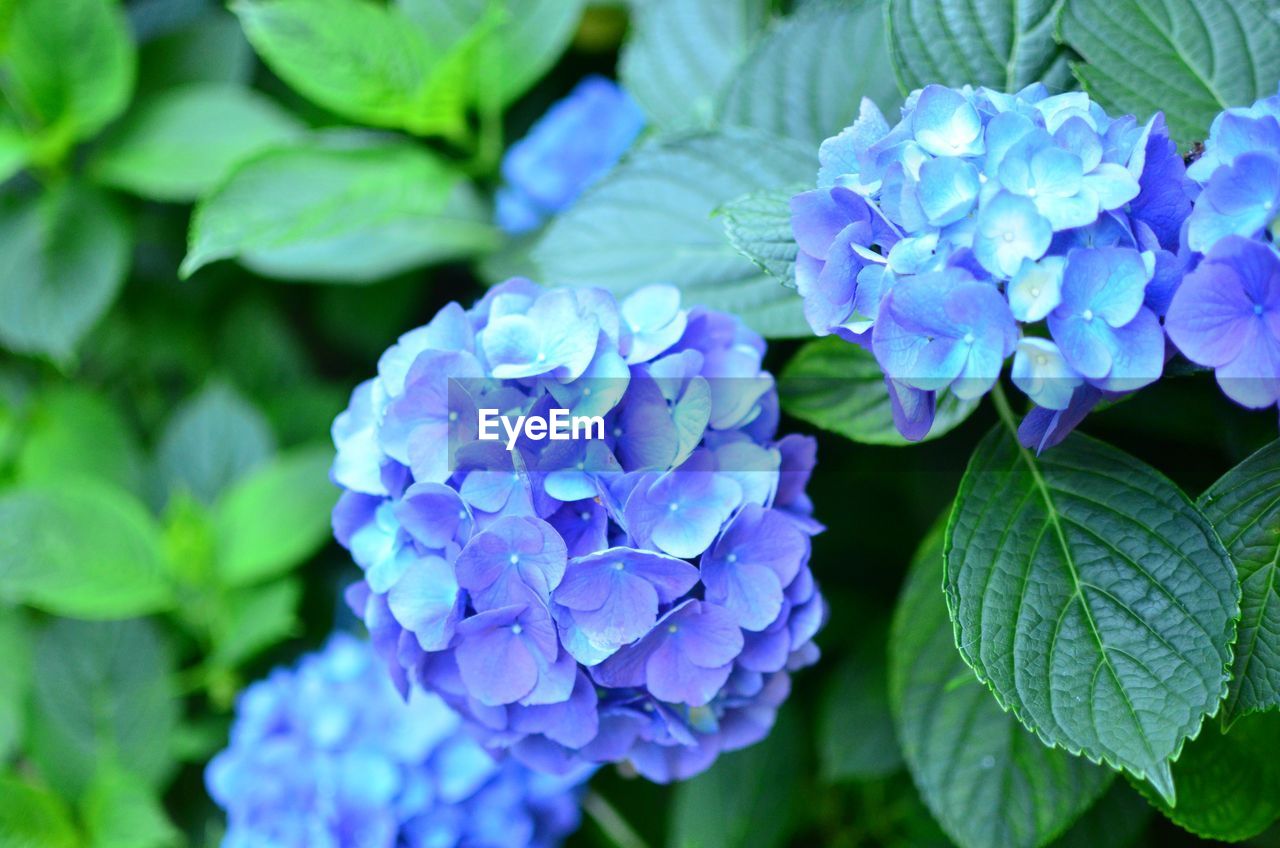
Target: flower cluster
{"type": "Point", "coordinates": [328, 754]}
{"type": "Point", "coordinates": [637, 596]}
{"type": "Point", "coordinates": [1226, 313]}
{"type": "Point", "coordinates": [987, 225]}
{"type": "Point", "coordinates": [570, 147]}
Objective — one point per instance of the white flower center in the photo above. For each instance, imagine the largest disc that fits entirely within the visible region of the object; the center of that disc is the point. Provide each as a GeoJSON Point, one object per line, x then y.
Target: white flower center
{"type": "Point", "coordinates": [1087, 315]}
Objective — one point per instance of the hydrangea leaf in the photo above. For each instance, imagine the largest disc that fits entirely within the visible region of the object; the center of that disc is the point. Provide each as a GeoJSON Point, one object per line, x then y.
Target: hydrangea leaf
{"type": "Point", "coordinates": [987, 779]}
{"type": "Point", "coordinates": [253, 619]}
{"type": "Point", "coordinates": [650, 221]}
{"type": "Point", "coordinates": [122, 811]}
{"type": "Point", "coordinates": [63, 257]}
{"type": "Point", "coordinates": [681, 54]}
{"type": "Point", "coordinates": [104, 691]}
{"type": "Point", "coordinates": [74, 432]}
{"type": "Point", "coordinates": [1186, 58]}
{"type": "Point", "coordinates": [1228, 782]}
{"type": "Point", "coordinates": [15, 680]}
{"type": "Point", "coordinates": [1000, 44]}
{"type": "Point", "coordinates": [212, 48]}
{"type": "Point", "coordinates": [1114, 821]}
{"type": "Point", "coordinates": [806, 77]}
{"type": "Point", "coordinates": [275, 517]}
{"type": "Point", "coordinates": [183, 142]}
{"type": "Point", "coordinates": [839, 387]}
{"type": "Point", "coordinates": [33, 816]}
{"type": "Point", "coordinates": [211, 441]}
{"type": "Point", "coordinates": [1244, 507]}
{"type": "Point", "coordinates": [855, 734]}
{"type": "Point", "coordinates": [81, 548]}
{"type": "Point", "coordinates": [1093, 598]}
{"type": "Point", "coordinates": [339, 214]}
{"type": "Point", "coordinates": [759, 226]}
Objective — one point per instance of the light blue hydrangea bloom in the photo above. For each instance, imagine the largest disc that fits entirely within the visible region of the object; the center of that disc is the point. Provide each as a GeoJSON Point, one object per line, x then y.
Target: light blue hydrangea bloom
{"type": "Point", "coordinates": [328, 755]}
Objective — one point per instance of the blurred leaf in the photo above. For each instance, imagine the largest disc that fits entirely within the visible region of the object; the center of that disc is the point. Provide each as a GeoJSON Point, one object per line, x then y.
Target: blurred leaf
{"type": "Point", "coordinates": [276, 517]}
{"type": "Point", "coordinates": [986, 778]}
{"type": "Point", "coordinates": [838, 386]}
{"type": "Point", "coordinates": [997, 43]}
{"type": "Point", "coordinates": [1092, 597]}
{"type": "Point", "coordinates": [211, 441]}
{"type": "Point", "coordinates": [69, 68]}
{"type": "Point", "coordinates": [185, 141]}
{"type": "Point", "coordinates": [15, 149]}
{"type": "Point", "coordinates": [365, 61]}
{"type": "Point", "coordinates": [1228, 783]}
{"type": "Point", "coordinates": [855, 733]}
{"type": "Point", "coordinates": [1114, 821]}
{"type": "Point", "coordinates": [748, 799]}
{"type": "Point", "coordinates": [339, 214]}
{"type": "Point", "coordinates": [516, 53]}
{"type": "Point", "coordinates": [196, 741]}
{"type": "Point", "coordinates": [304, 412]}
{"type": "Point", "coordinates": [63, 258]}
{"type": "Point", "coordinates": [260, 348]}
{"type": "Point", "coordinates": [190, 548]}
{"type": "Point", "coordinates": [31, 817]}
{"type": "Point", "coordinates": [104, 691]}
{"type": "Point", "coordinates": [807, 76]}
{"type": "Point", "coordinates": [82, 549]}
{"type": "Point", "coordinates": [1244, 507]}
{"type": "Point", "coordinates": [1186, 58]}
{"type": "Point", "coordinates": [252, 620]}
{"type": "Point", "coordinates": [650, 221]}
{"type": "Point", "coordinates": [15, 680]}
{"type": "Point", "coordinates": [759, 226]}
{"type": "Point", "coordinates": [76, 433]}
{"type": "Point", "coordinates": [122, 811]}
{"type": "Point", "coordinates": [212, 49]}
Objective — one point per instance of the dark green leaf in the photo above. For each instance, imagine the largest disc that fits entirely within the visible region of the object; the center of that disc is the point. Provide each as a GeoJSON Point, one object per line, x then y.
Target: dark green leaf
{"type": "Point", "coordinates": [122, 811]}
{"type": "Point", "coordinates": [15, 679]}
{"type": "Point", "coordinates": [651, 221]}
{"type": "Point", "coordinates": [759, 226]}
{"type": "Point", "coordinates": [63, 257]}
{"type": "Point", "coordinates": [31, 817]}
{"type": "Point", "coordinates": [1244, 507]}
{"type": "Point", "coordinates": [987, 779]}
{"type": "Point", "coordinates": [211, 441]}
{"type": "Point", "coordinates": [76, 433]}
{"type": "Point", "coordinates": [997, 43]}
{"type": "Point", "coordinates": [1093, 598]}
{"type": "Point", "coordinates": [339, 214]}
{"type": "Point", "coordinates": [1113, 822]}
{"type": "Point", "coordinates": [856, 739]}
{"type": "Point", "coordinates": [838, 386]}
{"type": "Point", "coordinates": [1187, 58]}
{"type": "Point", "coordinates": [211, 49]}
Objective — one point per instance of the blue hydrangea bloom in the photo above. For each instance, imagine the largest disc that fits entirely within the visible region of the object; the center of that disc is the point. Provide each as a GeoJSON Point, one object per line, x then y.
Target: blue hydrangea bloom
{"type": "Point", "coordinates": [986, 225]}
{"type": "Point", "coordinates": [329, 754]}
{"type": "Point", "coordinates": [639, 596]}
{"type": "Point", "coordinates": [579, 138]}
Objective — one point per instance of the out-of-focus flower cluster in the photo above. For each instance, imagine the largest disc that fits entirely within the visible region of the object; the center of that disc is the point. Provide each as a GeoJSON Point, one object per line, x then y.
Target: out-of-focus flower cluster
{"type": "Point", "coordinates": [986, 225]}
{"type": "Point", "coordinates": [1226, 313]}
{"type": "Point", "coordinates": [328, 755]}
{"type": "Point", "coordinates": [639, 597]}
{"type": "Point", "coordinates": [579, 138]}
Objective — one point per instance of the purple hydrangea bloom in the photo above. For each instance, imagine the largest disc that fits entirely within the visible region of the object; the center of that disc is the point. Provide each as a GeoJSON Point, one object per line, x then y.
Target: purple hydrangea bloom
{"type": "Point", "coordinates": [579, 138]}
{"type": "Point", "coordinates": [986, 225]}
{"type": "Point", "coordinates": [640, 595]}
{"type": "Point", "coordinates": [328, 754]}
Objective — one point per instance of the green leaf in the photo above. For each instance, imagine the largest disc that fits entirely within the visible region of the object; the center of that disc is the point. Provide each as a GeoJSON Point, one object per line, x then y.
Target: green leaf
{"type": "Point", "coordinates": [69, 68]}
{"type": "Point", "coordinates": [104, 691]}
{"type": "Point", "coordinates": [185, 141]}
{"type": "Point", "coordinates": [122, 811]}
{"type": "Point", "coordinates": [212, 49]}
{"type": "Point", "coordinates": [1187, 58]}
{"type": "Point", "coordinates": [987, 780]}
{"type": "Point", "coordinates": [211, 441]}
{"type": "Point", "coordinates": [855, 733]}
{"type": "Point", "coordinates": [339, 214]}
{"type": "Point", "coordinates": [1092, 597]}
{"type": "Point", "coordinates": [1113, 822]}
{"type": "Point", "coordinates": [651, 220]}
{"type": "Point", "coordinates": [518, 50]}
{"type": "Point", "coordinates": [83, 549]}
{"type": "Point", "coordinates": [15, 680]}
{"type": "Point", "coordinates": [31, 817]}
{"type": "Point", "coordinates": [1244, 507]}
{"type": "Point", "coordinates": [681, 53]}
{"type": "Point", "coordinates": [251, 620]}
{"type": "Point", "coordinates": [274, 518]}
{"type": "Point", "coordinates": [1003, 44]}
{"type": "Point", "coordinates": [63, 258]}
{"type": "Point", "coordinates": [808, 75]}
{"type": "Point", "coordinates": [759, 226]}
{"type": "Point", "coordinates": [364, 61]}
{"type": "Point", "coordinates": [747, 799]}
{"type": "Point", "coordinates": [838, 386]}
{"type": "Point", "coordinates": [1228, 783]}
{"type": "Point", "coordinates": [76, 433]}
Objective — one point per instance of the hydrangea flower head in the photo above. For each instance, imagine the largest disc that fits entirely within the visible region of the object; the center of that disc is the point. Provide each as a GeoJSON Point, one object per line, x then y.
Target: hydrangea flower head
{"type": "Point", "coordinates": [986, 225]}
{"type": "Point", "coordinates": [638, 595]}
{"type": "Point", "coordinates": [329, 754]}
{"type": "Point", "coordinates": [578, 139]}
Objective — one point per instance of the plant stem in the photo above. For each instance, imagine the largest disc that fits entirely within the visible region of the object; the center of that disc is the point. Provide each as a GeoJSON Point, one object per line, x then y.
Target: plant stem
{"type": "Point", "coordinates": [1003, 409]}
{"type": "Point", "coordinates": [613, 825]}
